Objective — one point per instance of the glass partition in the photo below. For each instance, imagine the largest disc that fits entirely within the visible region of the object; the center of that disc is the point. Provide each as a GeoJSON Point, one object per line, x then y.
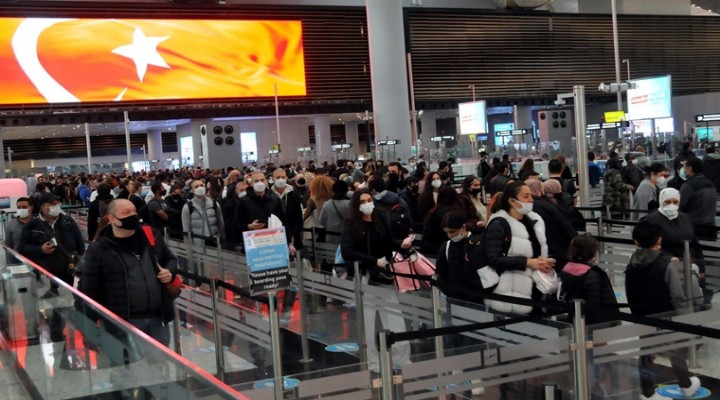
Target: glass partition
{"type": "Point", "coordinates": [67, 346]}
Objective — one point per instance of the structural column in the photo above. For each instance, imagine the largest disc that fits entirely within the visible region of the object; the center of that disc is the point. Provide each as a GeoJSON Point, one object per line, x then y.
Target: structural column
{"type": "Point", "coordinates": [388, 73]}
{"type": "Point", "coordinates": [154, 145]}
{"type": "Point", "coordinates": [428, 126]}
{"type": "Point", "coordinates": [352, 137]}
{"type": "Point", "coordinates": [322, 138]}
{"type": "Point", "coordinates": [2, 159]}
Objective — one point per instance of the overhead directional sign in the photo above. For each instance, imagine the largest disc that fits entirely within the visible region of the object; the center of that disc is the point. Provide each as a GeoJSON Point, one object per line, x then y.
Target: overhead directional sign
{"type": "Point", "coordinates": [519, 132]}
{"type": "Point", "coordinates": [273, 151]}
{"type": "Point", "coordinates": [593, 127]}
{"type": "Point", "coordinates": [304, 149]}
{"type": "Point", "coordinates": [611, 125]}
{"type": "Point", "coordinates": [343, 146]}
{"type": "Point", "coordinates": [503, 133]}
{"type": "Point", "coordinates": [442, 138]}
{"type": "Point", "coordinates": [707, 117]}
{"type": "Point", "coordinates": [388, 142]}
{"type": "Point", "coordinates": [614, 116]}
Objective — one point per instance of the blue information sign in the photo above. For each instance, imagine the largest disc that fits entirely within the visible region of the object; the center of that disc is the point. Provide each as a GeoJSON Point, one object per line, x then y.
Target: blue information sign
{"type": "Point", "coordinates": [268, 258]}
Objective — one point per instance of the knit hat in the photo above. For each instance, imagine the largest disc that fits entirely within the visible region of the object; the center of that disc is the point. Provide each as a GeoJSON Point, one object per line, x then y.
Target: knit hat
{"type": "Point", "coordinates": [669, 193]}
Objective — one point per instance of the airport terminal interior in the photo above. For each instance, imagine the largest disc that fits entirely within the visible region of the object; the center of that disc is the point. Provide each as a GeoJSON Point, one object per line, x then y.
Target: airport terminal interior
{"type": "Point", "coordinates": [359, 199]}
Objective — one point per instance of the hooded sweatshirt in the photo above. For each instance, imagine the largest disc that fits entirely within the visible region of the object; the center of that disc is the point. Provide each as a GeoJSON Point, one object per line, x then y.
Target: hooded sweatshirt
{"type": "Point", "coordinates": [589, 283]}
{"type": "Point", "coordinates": [654, 283]}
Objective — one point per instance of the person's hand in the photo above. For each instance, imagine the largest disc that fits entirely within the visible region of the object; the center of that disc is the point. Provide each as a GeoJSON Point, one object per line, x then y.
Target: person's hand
{"type": "Point", "coordinates": [292, 250]}
{"type": "Point", "coordinates": [541, 264]}
{"type": "Point", "coordinates": [164, 276]}
{"type": "Point", "coordinates": [480, 224]}
{"type": "Point", "coordinates": [256, 225]}
{"type": "Point", "coordinates": [407, 243]}
{"type": "Point", "coordinates": [382, 262]}
{"type": "Point", "coordinates": [48, 247]}
{"type": "Point", "coordinates": [630, 187]}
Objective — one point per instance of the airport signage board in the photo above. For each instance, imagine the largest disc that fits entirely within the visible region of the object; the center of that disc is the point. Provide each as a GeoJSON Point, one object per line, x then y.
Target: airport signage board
{"type": "Point", "coordinates": [442, 138]}
{"type": "Point", "coordinates": [612, 125]}
{"type": "Point", "coordinates": [614, 116]}
{"type": "Point", "coordinates": [593, 127]}
{"type": "Point", "coordinates": [304, 149]}
{"type": "Point", "coordinates": [79, 60]}
{"type": "Point", "coordinates": [388, 142]}
{"type": "Point", "coordinates": [651, 98]}
{"type": "Point", "coordinates": [268, 258]}
{"type": "Point", "coordinates": [503, 133]}
{"type": "Point", "coordinates": [473, 117]}
{"type": "Point", "coordinates": [273, 151]}
{"type": "Point", "coordinates": [343, 146]}
{"type": "Point", "coordinates": [707, 117]}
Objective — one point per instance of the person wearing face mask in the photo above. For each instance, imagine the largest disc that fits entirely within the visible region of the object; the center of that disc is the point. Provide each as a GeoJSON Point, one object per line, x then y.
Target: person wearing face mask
{"type": "Point", "coordinates": [433, 236]}
{"type": "Point", "coordinates": [291, 206]}
{"type": "Point", "coordinates": [471, 195]}
{"type": "Point", "coordinates": [332, 215]}
{"type": "Point", "coordinates": [254, 210]}
{"type": "Point", "coordinates": [559, 230]}
{"type": "Point", "coordinates": [459, 279]}
{"type": "Point", "coordinates": [646, 194]}
{"type": "Point", "coordinates": [411, 197]}
{"type": "Point", "coordinates": [201, 217]}
{"type": "Point", "coordinates": [698, 199]}
{"type": "Point", "coordinates": [14, 228]}
{"type": "Point", "coordinates": [499, 181]}
{"type": "Point", "coordinates": [675, 227]}
{"type": "Point", "coordinates": [429, 192]}
{"type": "Point", "coordinates": [175, 202]}
{"type": "Point", "coordinates": [367, 238]}
{"type": "Point", "coordinates": [301, 188]}
{"type": "Point", "coordinates": [527, 251]}
{"type": "Point", "coordinates": [54, 242]}
{"type": "Point", "coordinates": [157, 208]}
{"type": "Point", "coordinates": [125, 272]}
{"type": "Point", "coordinates": [98, 208]}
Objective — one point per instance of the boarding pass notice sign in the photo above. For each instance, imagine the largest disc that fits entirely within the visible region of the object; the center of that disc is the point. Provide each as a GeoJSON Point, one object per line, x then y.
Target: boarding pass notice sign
{"type": "Point", "coordinates": [268, 259]}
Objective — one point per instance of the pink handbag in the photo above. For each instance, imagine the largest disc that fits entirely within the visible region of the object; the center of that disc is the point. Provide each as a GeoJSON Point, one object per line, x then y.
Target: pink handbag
{"type": "Point", "coordinates": [414, 264]}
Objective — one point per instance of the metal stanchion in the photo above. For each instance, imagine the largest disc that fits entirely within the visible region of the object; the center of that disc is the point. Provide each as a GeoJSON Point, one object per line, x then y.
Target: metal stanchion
{"type": "Point", "coordinates": [386, 373]}
{"type": "Point", "coordinates": [437, 323]}
{"type": "Point", "coordinates": [632, 199]}
{"type": "Point", "coordinates": [221, 268]}
{"type": "Point", "coordinates": [303, 311]}
{"type": "Point", "coordinates": [314, 299]}
{"type": "Point", "coordinates": [219, 350]}
{"type": "Point", "coordinates": [582, 386]}
{"type": "Point", "coordinates": [360, 315]}
{"type": "Point", "coordinates": [275, 345]}
{"type": "Point", "coordinates": [687, 275]}
{"type": "Point", "coordinates": [601, 233]}
{"type": "Point", "coordinates": [187, 238]}
{"type": "Point", "coordinates": [176, 331]}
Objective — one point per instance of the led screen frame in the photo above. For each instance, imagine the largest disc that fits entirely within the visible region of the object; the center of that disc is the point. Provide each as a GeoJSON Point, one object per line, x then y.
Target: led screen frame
{"type": "Point", "coordinates": [651, 99]}
{"type": "Point", "coordinates": [82, 60]}
{"type": "Point", "coordinates": [473, 118]}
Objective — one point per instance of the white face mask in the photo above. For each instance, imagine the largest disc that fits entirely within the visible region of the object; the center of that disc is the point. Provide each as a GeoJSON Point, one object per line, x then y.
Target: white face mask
{"type": "Point", "coordinates": [23, 212]}
{"type": "Point", "coordinates": [241, 194]}
{"type": "Point", "coordinates": [670, 211]}
{"type": "Point", "coordinates": [525, 209]}
{"type": "Point", "coordinates": [661, 181]}
{"type": "Point", "coordinates": [200, 191]}
{"type": "Point", "coordinates": [458, 237]}
{"type": "Point", "coordinates": [367, 208]}
{"type": "Point", "coordinates": [280, 183]}
{"type": "Point", "coordinates": [436, 184]}
{"type": "Point", "coordinates": [54, 211]}
{"type": "Point", "coordinates": [259, 187]}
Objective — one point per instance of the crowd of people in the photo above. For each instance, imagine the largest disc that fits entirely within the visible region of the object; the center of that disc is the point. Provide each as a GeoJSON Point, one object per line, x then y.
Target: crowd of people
{"type": "Point", "coordinates": [499, 231]}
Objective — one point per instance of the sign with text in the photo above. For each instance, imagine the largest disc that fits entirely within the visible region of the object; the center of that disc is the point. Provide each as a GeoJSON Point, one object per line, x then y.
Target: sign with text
{"type": "Point", "coordinates": [442, 138]}
{"type": "Point", "coordinates": [707, 117]}
{"type": "Point", "coordinates": [304, 149]}
{"type": "Point", "coordinates": [268, 258]}
{"type": "Point", "coordinates": [388, 142]}
{"type": "Point", "coordinates": [614, 116]}
{"type": "Point", "coordinates": [342, 146]}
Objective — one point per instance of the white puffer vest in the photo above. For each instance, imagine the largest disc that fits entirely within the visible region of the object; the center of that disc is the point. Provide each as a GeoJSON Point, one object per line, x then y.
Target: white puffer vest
{"type": "Point", "coordinates": [518, 283]}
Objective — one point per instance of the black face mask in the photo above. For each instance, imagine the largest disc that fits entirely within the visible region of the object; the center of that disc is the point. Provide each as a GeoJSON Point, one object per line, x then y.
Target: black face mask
{"type": "Point", "coordinates": [176, 196]}
{"type": "Point", "coordinates": [130, 223]}
{"type": "Point", "coordinates": [301, 181]}
{"type": "Point", "coordinates": [475, 191]}
{"type": "Point", "coordinates": [163, 193]}
{"type": "Point", "coordinates": [415, 189]}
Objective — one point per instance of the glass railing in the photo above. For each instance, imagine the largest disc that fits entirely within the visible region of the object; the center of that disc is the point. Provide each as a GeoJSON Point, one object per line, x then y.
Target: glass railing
{"type": "Point", "coordinates": [66, 346]}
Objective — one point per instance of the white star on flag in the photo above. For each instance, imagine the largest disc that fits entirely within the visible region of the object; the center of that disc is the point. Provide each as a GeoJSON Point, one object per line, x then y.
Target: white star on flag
{"type": "Point", "coordinates": [143, 51]}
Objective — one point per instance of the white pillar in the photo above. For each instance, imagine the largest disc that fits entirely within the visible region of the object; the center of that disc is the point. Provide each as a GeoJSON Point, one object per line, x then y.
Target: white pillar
{"type": "Point", "coordinates": [388, 73]}
{"type": "Point", "coordinates": [352, 137]}
{"type": "Point", "coordinates": [154, 144]}
{"type": "Point", "coordinates": [322, 138]}
{"type": "Point", "coordinates": [2, 159]}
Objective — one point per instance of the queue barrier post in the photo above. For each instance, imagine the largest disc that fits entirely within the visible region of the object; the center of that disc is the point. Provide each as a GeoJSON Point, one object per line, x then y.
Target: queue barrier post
{"type": "Point", "coordinates": [221, 267]}
{"type": "Point", "coordinates": [687, 276]}
{"type": "Point", "coordinates": [437, 321]}
{"type": "Point", "coordinates": [386, 373]}
{"type": "Point", "coordinates": [579, 349]}
{"type": "Point", "coordinates": [360, 314]}
{"type": "Point", "coordinates": [219, 349]}
{"type": "Point", "coordinates": [275, 345]}
{"type": "Point", "coordinates": [303, 310]}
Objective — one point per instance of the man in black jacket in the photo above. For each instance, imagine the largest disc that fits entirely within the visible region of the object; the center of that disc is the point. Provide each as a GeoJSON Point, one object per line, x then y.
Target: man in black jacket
{"type": "Point", "coordinates": [98, 209]}
{"type": "Point", "coordinates": [125, 272]}
{"type": "Point", "coordinates": [254, 210]}
{"type": "Point", "coordinates": [54, 242]}
{"type": "Point", "coordinates": [558, 229]}
{"type": "Point", "coordinates": [698, 199]}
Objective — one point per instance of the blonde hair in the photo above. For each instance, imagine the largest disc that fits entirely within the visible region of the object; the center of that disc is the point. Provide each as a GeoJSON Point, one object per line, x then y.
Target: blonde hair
{"type": "Point", "coordinates": [321, 190]}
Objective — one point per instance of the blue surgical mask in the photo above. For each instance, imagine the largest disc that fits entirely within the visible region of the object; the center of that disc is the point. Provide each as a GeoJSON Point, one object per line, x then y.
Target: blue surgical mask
{"type": "Point", "coordinates": [683, 174]}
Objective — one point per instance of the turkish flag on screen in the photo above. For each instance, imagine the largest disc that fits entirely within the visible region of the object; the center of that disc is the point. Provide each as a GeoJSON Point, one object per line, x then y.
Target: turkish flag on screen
{"type": "Point", "coordinates": [80, 60]}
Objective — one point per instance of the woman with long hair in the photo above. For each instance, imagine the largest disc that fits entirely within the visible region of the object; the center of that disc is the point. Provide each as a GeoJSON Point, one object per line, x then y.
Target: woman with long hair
{"type": "Point", "coordinates": [471, 195]}
{"type": "Point", "coordinates": [429, 195]}
{"type": "Point", "coordinates": [367, 238]}
{"type": "Point", "coordinates": [516, 247]}
{"type": "Point", "coordinates": [433, 235]}
{"type": "Point", "coordinates": [320, 192]}
{"type": "Point", "coordinates": [527, 170]}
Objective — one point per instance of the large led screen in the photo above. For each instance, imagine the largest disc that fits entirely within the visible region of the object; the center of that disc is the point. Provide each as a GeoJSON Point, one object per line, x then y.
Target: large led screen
{"type": "Point", "coordinates": [651, 99]}
{"type": "Point", "coordinates": [473, 118]}
{"type": "Point", "coordinates": [61, 60]}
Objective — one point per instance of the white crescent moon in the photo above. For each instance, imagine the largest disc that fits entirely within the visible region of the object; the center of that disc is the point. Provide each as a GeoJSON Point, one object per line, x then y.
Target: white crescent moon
{"type": "Point", "coordinates": [24, 44]}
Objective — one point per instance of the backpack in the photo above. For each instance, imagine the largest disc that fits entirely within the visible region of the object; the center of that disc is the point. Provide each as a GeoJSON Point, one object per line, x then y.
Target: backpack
{"type": "Point", "coordinates": [400, 222]}
{"type": "Point", "coordinates": [476, 251]}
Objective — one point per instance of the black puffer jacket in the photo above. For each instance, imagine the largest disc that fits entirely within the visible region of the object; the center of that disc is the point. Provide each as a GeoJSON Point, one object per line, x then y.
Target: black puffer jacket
{"type": "Point", "coordinates": [558, 230]}
{"type": "Point", "coordinates": [698, 200]}
{"type": "Point", "coordinates": [36, 232]}
{"type": "Point", "coordinates": [253, 207]}
{"type": "Point", "coordinates": [590, 283]}
{"type": "Point", "coordinates": [369, 243]}
{"type": "Point", "coordinates": [110, 276]}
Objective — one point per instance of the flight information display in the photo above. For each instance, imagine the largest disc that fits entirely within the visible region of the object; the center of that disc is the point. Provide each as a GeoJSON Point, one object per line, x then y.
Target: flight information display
{"type": "Point", "coordinates": [473, 118]}
{"type": "Point", "coordinates": [651, 99]}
